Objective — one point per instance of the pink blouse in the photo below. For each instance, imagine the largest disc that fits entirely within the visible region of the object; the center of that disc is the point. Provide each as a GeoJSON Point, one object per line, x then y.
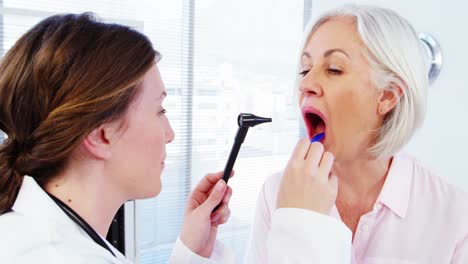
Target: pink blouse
{"type": "Point", "coordinates": [417, 218]}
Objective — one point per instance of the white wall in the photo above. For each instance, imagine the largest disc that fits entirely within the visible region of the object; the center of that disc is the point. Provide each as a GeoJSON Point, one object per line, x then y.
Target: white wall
{"type": "Point", "coordinates": [443, 140]}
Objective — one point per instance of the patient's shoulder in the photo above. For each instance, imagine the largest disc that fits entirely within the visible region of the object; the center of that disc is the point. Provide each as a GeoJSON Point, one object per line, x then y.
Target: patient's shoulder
{"type": "Point", "coordinates": [438, 199]}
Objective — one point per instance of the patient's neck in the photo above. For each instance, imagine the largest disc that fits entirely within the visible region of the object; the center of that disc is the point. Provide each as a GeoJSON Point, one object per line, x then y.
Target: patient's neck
{"type": "Point", "coordinates": [362, 177]}
{"type": "Point", "coordinates": [359, 186]}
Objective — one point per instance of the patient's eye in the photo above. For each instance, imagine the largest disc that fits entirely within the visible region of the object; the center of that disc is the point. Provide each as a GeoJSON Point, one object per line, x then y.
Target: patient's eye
{"type": "Point", "coordinates": [304, 73]}
{"type": "Point", "coordinates": [334, 71]}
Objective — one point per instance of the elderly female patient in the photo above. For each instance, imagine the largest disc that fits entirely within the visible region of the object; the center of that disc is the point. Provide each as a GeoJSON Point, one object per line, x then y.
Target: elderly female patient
{"type": "Point", "coordinates": [363, 82]}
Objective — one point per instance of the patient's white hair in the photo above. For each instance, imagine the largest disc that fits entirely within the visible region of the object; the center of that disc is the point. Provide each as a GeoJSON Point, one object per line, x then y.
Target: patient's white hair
{"type": "Point", "coordinates": [396, 57]}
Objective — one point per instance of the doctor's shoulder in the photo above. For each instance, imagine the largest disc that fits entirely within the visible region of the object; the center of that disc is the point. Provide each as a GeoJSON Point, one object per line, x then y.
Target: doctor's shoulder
{"type": "Point", "coordinates": [24, 240]}
{"type": "Point", "coordinates": [267, 194]}
{"type": "Point", "coordinates": [271, 185]}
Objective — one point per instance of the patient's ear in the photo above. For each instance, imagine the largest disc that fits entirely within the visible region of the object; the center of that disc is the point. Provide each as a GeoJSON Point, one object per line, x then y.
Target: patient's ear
{"type": "Point", "coordinates": [99, 142]}
{"type": "Point", "coordinates": [389, 98]}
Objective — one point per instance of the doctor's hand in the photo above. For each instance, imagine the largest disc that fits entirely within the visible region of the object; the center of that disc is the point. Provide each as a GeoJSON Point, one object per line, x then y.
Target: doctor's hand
{"type": "Point", "coordinates": [306, 182]}
{"type": "Point", "coordinates": [201, 223]}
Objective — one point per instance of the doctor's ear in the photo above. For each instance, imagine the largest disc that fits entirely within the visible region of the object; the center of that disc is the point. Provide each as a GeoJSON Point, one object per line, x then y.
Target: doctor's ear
{"type": "Point", "coordinates": [98, 143]}
{"type": "Point", "coordinates": [389, 98]}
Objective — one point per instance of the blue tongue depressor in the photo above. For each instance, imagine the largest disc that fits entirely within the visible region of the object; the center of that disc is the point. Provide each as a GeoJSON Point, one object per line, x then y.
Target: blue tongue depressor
{"type": "Point", "coordinates": [317, 137]}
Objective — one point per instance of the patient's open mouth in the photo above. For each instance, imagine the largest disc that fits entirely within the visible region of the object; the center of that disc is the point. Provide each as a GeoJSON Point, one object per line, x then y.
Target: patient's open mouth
{"type": "Point", "coordinates": [315, 122]}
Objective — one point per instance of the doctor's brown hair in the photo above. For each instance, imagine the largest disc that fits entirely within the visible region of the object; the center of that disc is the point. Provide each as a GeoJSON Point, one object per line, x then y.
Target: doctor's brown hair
{"type": "Point", "coordinates": [62, 79]}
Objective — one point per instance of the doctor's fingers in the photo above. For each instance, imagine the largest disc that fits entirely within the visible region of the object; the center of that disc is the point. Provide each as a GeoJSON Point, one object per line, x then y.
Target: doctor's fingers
{"type": "Point", "coordinates": [221, 215]}
{"type": "Point", "coordinates": [314, 155]}
{"type": "Point", "coordinates": [326, 165]}
{"type": "Point", "coordinates": [300, 151]}
{"type": "Point", "coordinates": [208, 182]}
{"type": "Point", "coordinates": [333, 184]}
{"type": "Point", "coordinates": [227, 195]}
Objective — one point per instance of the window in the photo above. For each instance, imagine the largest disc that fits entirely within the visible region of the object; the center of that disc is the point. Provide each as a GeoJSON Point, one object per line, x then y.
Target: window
{"type": "Point", "coordinates": [220, 58]}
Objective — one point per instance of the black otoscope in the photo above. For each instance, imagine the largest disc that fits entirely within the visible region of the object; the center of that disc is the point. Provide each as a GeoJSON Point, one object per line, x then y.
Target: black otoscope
{"type": "Point", "coordinates": [244, 121]}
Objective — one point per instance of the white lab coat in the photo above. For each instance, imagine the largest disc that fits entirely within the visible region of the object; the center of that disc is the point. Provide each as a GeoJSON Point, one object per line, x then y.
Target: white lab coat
{"type": "Point", "coordinates": [38, 231]}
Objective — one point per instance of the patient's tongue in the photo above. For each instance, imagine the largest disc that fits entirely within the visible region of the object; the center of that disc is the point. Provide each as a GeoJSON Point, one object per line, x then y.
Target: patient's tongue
{"type": "Point", "coordinates": [319, 132]}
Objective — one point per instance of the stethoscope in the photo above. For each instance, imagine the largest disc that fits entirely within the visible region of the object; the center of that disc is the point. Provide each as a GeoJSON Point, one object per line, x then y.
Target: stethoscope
{"type": "Point", "coordinates": [81, 223]}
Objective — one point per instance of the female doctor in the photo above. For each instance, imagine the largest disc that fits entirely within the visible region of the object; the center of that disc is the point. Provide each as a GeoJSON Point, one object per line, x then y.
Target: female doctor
{"type": "Point", "coordinates": [81, 103]}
